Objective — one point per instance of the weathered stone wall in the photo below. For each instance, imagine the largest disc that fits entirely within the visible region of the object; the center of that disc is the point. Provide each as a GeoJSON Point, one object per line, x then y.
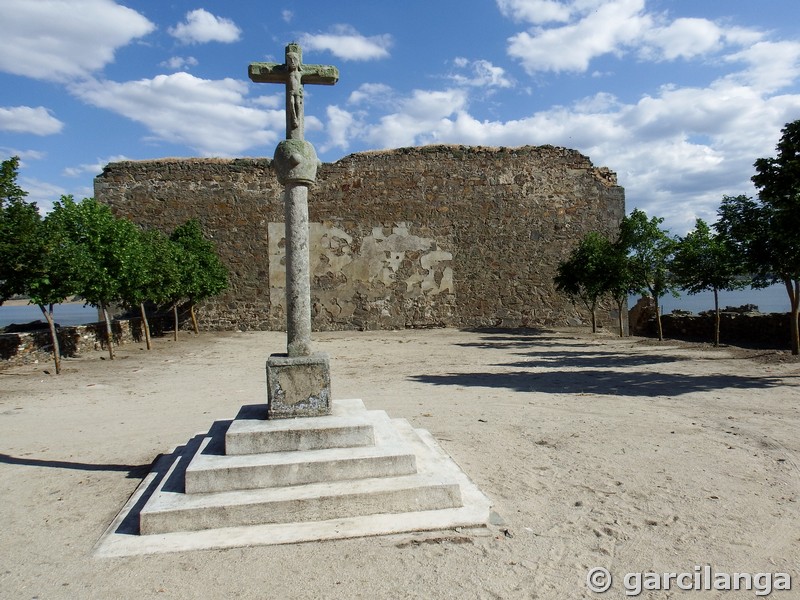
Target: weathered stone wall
{"type": "Point", "coordinates": [743, 326]}
{"type": "Point", "coordinates": [415, 237]}
{"type": "Point", "coordinates": [748, 329]}
{"type": "Point", "coordinates": [36, 346]}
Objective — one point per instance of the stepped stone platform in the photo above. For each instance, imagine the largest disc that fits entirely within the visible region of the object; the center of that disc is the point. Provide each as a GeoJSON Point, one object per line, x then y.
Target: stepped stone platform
{"type": "Point", "coordinates": [252, 481]}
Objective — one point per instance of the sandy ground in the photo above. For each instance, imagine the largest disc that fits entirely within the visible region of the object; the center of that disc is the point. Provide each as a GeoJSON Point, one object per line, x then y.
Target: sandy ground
{"type": "Point", "coordinates": [596, 451]}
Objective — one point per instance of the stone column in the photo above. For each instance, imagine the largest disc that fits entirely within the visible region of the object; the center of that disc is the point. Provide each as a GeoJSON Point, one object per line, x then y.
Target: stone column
{"type": "Point", "coordinates": [298, 283]}
{"type": "Point", "coordinates": [298, 382]}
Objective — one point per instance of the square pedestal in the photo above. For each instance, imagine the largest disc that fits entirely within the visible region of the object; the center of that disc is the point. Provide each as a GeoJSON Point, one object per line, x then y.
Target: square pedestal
{"type": "Point", "coordinates": [298, 386]}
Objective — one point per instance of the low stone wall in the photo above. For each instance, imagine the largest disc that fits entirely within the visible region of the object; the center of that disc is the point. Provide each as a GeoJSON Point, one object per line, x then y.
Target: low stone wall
{"type": "Point", "coordinates": [748, 329]}
{"type": "Point", "coordinates": [35, 346]}
{"type": "Point", "coordinates": [743, 329]}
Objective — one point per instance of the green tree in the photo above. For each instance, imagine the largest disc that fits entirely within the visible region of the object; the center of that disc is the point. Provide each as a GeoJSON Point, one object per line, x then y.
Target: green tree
{"type": "Point", "coordinates": [34, 259]}
{"type": "Point", "coordinates": [620, 281]}
{"type": "Point", "coordinates": [20, 242]}
{"type": "Point", "coordinates": [202, 273]}
{"type": "Point", "coordinates": [704, 260]}
{"type": "Point", "coordinates": [650, 249]}
{"type": "Point", "coordinates": [154, 274]}
{"type": "Point", "coordinates": [105, 248]}
{"type": "Point", "coordinates": [777, 223]}
{"type": "Point", "coordinates": [585, 274]}
{"type": "Point", "coordinates": [58, 275]}
{"type": "Point", "coordinates": [9, 190]}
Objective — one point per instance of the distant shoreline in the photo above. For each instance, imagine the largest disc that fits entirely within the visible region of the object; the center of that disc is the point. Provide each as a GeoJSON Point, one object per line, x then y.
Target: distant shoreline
{"type": "Point", "coordinates": [28, 302]}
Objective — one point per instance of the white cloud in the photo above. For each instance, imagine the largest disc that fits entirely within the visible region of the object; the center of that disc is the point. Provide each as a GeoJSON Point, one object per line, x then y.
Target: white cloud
{"type": "Point", "coordinates": [210, 116]}
{"type": "Point", "coordinates": [24, 155]}
{"type": "Point", "coordinates": [346, 43]}
{"type": "Point", "coordinates": [277, 101]}
{"type": "Point", "coordinates": [60, 41]}
{"type": "Point", "coordinates": [683, 38]}
{"type": "Point", "coordinates": [373, 94]}
{"type": "Point", "coordinates": [176, 63]}
{"type": "Point", "coordinates": [287, 16]}
{"type": "Point", "coordinates": [595, 28]}
{"type": "Point", "coordinates": [342, 125]}
{"type": "Point", "coordinates": [26, 119]}
{"type": "Point", "coordinates": [418, 120]}
{"type": "Point", "coordinates": [608, 28]}
{"type": "Point", "coordinates": [201, 27]}
{"type": "Point", "coordinates": [535, 11]}
{"type": "Point", "coordinates": [93, 169]}
{"type": "Point", "coordinates": [44, 194]}
{"type": "Point", "coordinates": [482, 73]}
{"type": "Point", "coordinates": [770, 65]}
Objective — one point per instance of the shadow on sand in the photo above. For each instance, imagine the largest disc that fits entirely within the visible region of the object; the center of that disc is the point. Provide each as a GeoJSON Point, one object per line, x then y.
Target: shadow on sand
{"type": "Point", "coordinates": [580, 368]}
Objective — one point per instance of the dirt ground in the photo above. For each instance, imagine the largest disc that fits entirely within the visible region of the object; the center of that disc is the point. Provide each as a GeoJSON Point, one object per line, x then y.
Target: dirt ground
{"type": "Point", "coordinates": [596, 451]}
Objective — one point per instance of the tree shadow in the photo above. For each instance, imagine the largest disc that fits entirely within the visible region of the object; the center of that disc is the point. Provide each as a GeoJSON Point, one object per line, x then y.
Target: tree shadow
{"type": "Point", "coordinates": [133, 471]}
{"type": "Point", "coordinates": [601, 382]}
{"type": "Point", "coordinates": [590, 359]}
{"type": "Point", "coordinates": [508, 338]}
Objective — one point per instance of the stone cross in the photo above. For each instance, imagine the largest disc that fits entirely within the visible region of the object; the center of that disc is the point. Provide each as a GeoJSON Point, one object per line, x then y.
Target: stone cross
{"type": "Point", "coordinates": [298, 383]}
{"type": "Point", "coordinates": [296, 165]}
{"type": "Point", "coordinates": [293, 73]}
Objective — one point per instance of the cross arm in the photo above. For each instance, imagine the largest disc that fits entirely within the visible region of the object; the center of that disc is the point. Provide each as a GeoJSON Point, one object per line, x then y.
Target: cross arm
{"type": "Point", "coordinates": [277, 73]}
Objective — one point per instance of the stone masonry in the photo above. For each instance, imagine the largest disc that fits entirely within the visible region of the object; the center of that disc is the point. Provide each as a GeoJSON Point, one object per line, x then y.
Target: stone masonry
{"type": "Point", "coordinates": [414, 237]}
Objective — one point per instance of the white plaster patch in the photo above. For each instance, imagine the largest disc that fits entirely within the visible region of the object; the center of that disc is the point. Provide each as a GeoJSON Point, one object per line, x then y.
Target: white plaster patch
{"type": "Point", "coordinates": [367, 271]}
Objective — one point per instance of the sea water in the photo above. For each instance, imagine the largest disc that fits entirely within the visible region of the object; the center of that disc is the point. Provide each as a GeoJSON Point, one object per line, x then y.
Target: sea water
{"type": "Point", "coordinates": [63, 314]}
{"type": "Point", "coordinates": [772, 299]}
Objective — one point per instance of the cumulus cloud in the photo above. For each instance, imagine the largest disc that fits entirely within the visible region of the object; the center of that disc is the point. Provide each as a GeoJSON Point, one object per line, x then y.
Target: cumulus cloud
{"type": "Point", "coordinates": [27, 119]}
{"type": "Point", "coordinates": [535, 11]}
{"type": "Point", "coordinates": [41, 192]}
{"type": "Point", "coordinates": [177, 63]}
{"type": "Point", "coordinates": [418, 119]}
{"type": "Point", "coordinates": [210, 116]}
{"type": "Point", "coordinates": [683, 38]}
{"type": "Point", "coordinates": [342, 125]}
{"type": "Point", "coordinates": [201, 27]}
{"type": "Point", "coordinates": [93, 169]}
{"type": "Point", "coordinates": [481, 73]}
{"type": "Point", "coordinates": [346, 43]}
{"type": "Point", "coordinates": [371, 94]}
{"type": "Point", "coordinates": [588, 29]}
{"type": "Point", "coordinates": [770, 66]}
{"type": "Point", "coordinates": [608, 28]}
{"type": "Point", "coordinates": [61, 41]}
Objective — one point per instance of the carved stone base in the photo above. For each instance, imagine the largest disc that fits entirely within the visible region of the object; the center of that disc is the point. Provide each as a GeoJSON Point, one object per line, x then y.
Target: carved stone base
{"type": "Point", "coordinates": [298, 386]}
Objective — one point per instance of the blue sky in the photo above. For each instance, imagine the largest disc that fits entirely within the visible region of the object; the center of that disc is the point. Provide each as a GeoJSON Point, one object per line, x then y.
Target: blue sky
{"type": "Point", "coordinates": [677, 97]}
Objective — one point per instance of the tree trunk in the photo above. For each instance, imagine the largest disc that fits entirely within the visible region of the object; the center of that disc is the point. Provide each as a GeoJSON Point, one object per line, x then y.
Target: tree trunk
{"type": "Point", "coordinates": [145, 325]}
{"type": "Point", "coordinates": [658, 319]}
{"type": "Point", "coordinates": [53, 337]}
{"type": "Point", "coordinates": [194, 318]}
{"type": "Point", "coordinates": [109, 335]}
{"type": "Point", "coordinates": [620, 304]}
{"type": "Point", "coordinates": [593, 310]}
{"type": "Point", "coordinates": [175, 322]}
{"type": "Point", "coordinates": [716, 317]}
{"type": "Point", "coordinates": [794, 301]}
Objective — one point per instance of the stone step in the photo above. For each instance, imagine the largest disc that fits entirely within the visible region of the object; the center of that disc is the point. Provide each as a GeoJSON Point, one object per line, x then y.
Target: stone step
{"type": "Point", "coordinates": [258, 436]}
{"type": "Point", "coordinates": [169, 512]}
{"type": "Point", "coordinates": [437, 496]}
{"type": "Point", "coordinates": [213, 473]}
{"type": "Point", "coordinates": [390, 456]}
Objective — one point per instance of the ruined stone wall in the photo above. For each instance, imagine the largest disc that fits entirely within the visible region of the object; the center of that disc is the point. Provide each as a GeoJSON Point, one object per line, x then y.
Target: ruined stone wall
{"type": "Point", "coordinates": [415, 237]}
